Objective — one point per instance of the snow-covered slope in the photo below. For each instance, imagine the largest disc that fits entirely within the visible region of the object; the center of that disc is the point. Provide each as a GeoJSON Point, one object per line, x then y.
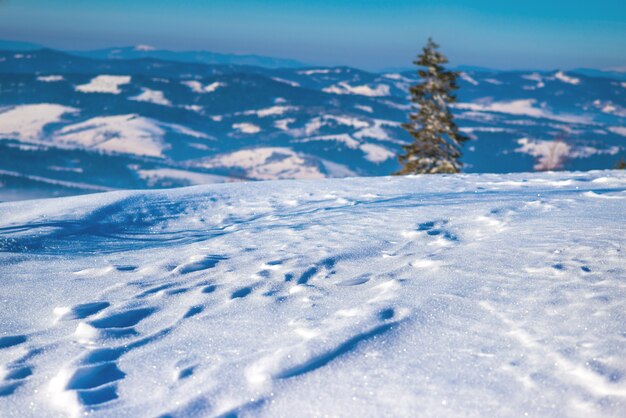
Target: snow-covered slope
{"type": "Point", "coordinates": [469, 295]}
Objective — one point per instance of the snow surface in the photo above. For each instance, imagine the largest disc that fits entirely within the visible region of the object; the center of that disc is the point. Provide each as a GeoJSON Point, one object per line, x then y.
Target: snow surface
{"type": "Point", "coordinates": [467, 295]}
{"type": "Point", "coordinates": [105, 84]}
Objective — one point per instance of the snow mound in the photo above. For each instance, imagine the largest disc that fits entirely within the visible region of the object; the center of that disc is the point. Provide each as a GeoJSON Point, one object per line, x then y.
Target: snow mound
{"type": "Point", "coordinates": [468, 295]}
{"type": "Point", "coordinates": [105, 84]}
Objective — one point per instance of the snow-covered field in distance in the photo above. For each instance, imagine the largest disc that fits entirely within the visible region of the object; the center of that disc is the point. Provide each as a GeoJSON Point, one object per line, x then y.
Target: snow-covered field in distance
{"type": "Point", "coordinates": [466, 295]}
{"type": "Point", "coordinates": [67, 120]}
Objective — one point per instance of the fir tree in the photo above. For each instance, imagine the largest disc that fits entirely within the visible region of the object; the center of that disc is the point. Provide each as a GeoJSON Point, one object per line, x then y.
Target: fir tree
{"type": "Point", "coordinates": [437, 142]}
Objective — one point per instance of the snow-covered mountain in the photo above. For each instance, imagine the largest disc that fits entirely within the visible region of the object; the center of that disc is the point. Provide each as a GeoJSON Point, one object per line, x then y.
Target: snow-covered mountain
{"type": "Point", "coordinates": [441, 296]}
{"type": "Point", "coordinates": [70, 124]}
{"type": "Point", "coordinates": [148, 51]}
{"type": "Point", "coordinates": [204, 57]}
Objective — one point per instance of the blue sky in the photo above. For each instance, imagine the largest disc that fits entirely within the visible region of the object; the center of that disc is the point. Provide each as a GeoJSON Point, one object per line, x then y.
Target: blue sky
{"type": "Point", "coordinates": [371, 34]}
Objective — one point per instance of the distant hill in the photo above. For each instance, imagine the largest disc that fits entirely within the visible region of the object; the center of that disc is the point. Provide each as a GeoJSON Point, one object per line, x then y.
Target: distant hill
{"type": "Point", "coordinates": [204, 57]}
{"type": "Point", "coordinates": [6, 45]}
{"type": "Point", "coordinates": [147, 51]}
{"type": "Point", "coordinates": [71, 124]}
{"type": "Point", "coordinates": [619, 75]}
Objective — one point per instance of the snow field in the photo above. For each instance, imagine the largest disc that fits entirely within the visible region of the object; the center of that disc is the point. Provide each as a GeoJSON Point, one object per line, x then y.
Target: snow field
{"type": "Point", "coordinates": [467, 295]}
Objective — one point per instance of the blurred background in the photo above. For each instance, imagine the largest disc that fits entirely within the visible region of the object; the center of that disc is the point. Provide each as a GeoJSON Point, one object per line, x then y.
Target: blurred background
{"type": "Point", "coordinates": [106, 95]}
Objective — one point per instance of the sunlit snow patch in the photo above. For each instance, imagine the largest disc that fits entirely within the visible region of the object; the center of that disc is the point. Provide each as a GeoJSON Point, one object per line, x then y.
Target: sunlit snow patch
{"type": "Point", "coordinates": [267, 164]}
{"type": "Point", "coordinates": [247, 128]}
{"type": "Point", "coordinates": [521, 107]}
{"type": "Point", "coordinates": [468, 78]}
{"type": "Point", "coordinates": [284, 81]}
{"type": "Point", "coordinates": [561, 76]}
{"type": "Point", "coordinates": [151, 96]}
{"type": "Point", "coordinates": [363, 90]}
{"type": "Point", "coordinates": [619, 130]}
{"type": "Point", "coordinates": [130, 134]}
{"type": "Point", "coordinates": [50, 78]}
{"type": "Point", "coordinates": [142, 47]}
{"type": "Point", "coordinates": [319, 71]}
{"type": "Point", "coordinates": [538, 78]}
{"type": "Point", "coordinates": [157, 175]}
{"type": "Point", "coordinates": [105, 84]}
{"type": "Point", "coordinates": [551, 155]}
{"type": "Point", "coordinates": [376, 153]}
{"type": "Point", "coordinates": [27, 122]}
{"type": "Point", "coordinates": [270, 111]}
{"type": "Point", "coordinates": [198, 87]}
